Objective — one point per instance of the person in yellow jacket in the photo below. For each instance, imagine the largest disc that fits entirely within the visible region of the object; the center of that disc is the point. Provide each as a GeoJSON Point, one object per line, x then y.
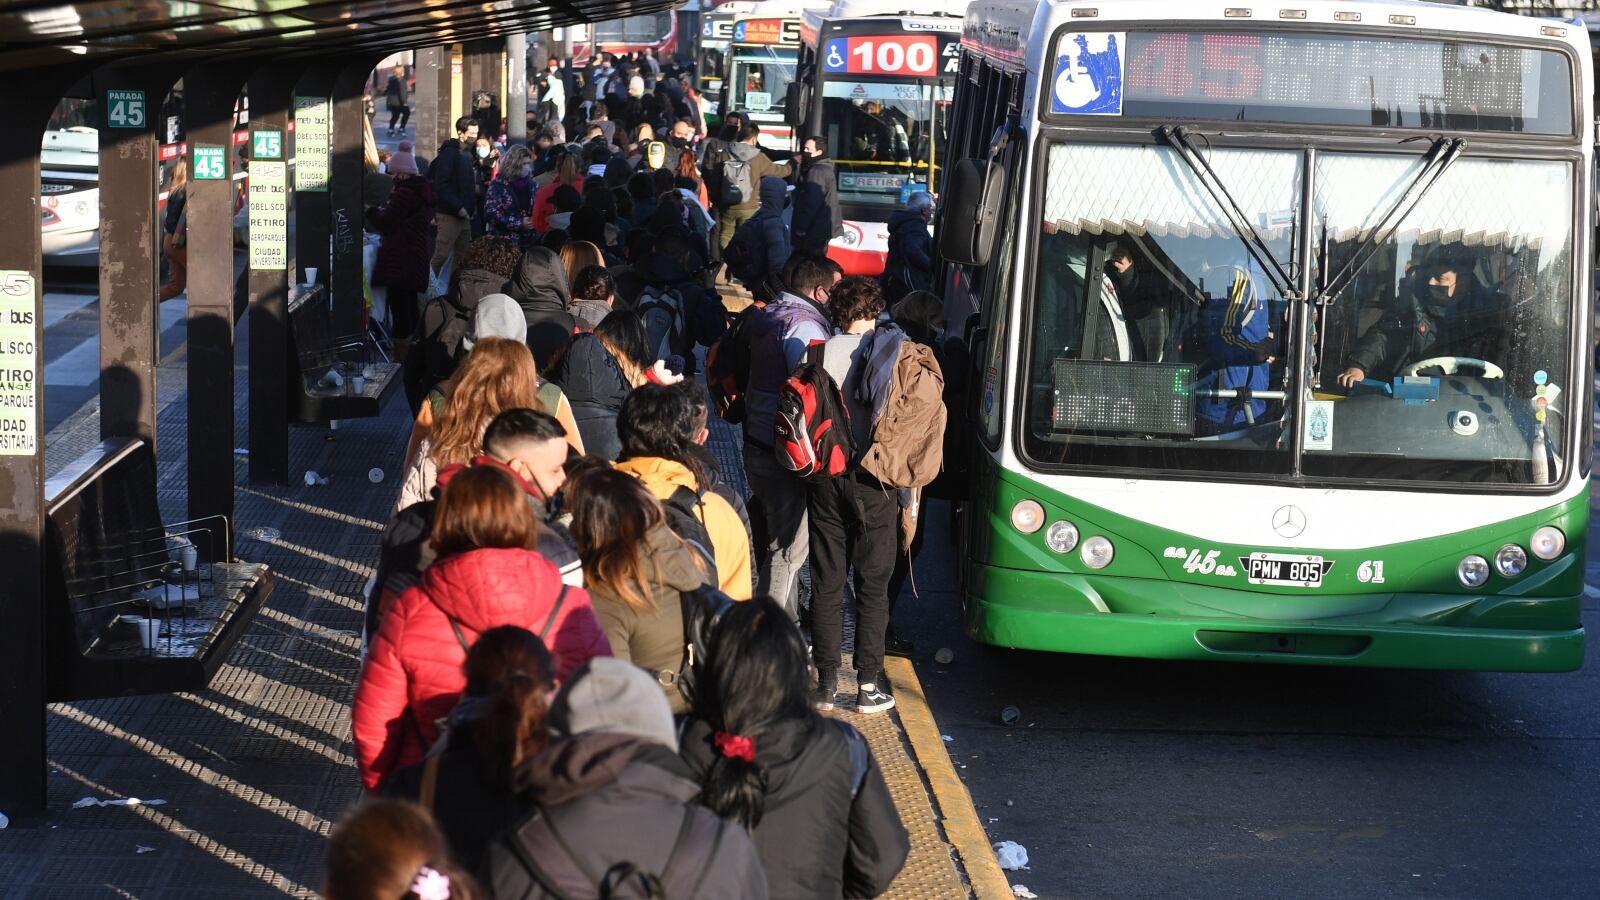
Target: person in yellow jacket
{"type": "Point", "coordinates": [657, 426]}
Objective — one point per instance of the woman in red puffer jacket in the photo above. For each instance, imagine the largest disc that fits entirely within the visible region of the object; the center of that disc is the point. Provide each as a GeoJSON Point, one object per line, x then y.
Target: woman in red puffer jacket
{"type": "Point", "coordinates": [485, 576]}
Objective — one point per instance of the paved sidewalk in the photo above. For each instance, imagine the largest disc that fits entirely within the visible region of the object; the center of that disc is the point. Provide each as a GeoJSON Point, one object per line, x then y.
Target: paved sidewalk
{"type": "Point", "coordinates": [241, 784]}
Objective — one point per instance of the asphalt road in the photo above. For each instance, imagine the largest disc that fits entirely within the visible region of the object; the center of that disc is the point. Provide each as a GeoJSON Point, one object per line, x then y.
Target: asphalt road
{"type": "Point", "coordinates": [1138, 778]}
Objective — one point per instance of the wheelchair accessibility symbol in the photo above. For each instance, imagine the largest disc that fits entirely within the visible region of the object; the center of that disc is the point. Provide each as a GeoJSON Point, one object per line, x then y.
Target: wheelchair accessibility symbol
{"type": "Point", "coordinates": [834, 62]}
{"type": "Point", "coordinates": [738, 32]}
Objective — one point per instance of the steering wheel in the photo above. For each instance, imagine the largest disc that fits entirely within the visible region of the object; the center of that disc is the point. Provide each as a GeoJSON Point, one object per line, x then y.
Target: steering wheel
{"type": "Point", "coordinates": [1450, 365]}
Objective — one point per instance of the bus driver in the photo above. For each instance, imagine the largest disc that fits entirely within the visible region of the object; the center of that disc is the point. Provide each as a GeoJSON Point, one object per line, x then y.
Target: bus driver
{"type": "Point", "coordinates": [1445, 313]}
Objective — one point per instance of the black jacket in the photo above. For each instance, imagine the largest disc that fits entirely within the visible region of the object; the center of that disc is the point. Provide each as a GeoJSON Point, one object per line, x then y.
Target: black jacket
{"type": "Point", "coordinates": [443, 356]}
{"type": "Point", "coordinates": [594, 385]}
{"type": "Point", "coordinates": [540, 288]}
{"type": "Point", "coordinates": [455, 186]}
{"type": "Point", "coordinates": [910, 263]}
{"type": "Point", "coordinates": [1473, 325]}
{"type": "Point", "coordinates": [815, 840]}
{"type": "Point", "coordinates": [615, 799]}
{"type": "Point", "coordinates": [817, 218]}
{"type": "Point", "coordinates": [470, 807]}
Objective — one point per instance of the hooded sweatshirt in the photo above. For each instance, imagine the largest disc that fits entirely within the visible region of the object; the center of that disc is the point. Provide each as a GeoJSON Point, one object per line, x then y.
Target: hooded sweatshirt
{"type": "Point", "coordinates": [730, 541]}
{"type": "Point", "coordinates": [540, 287]}
{"type": "Point", "coordinates": [817, 216]}
{"type": "Point", "coordinates": [594, 385]}
{"type": "Point", "coordinates": [413, 673]}
{"type": "Point", "coordinates": [816, 840]}
{"type": "Point", "coordinates": [765, 232]}
{"type": "Point", "coordinates": [652, 638]}
{"type": "Point", "coordinates": [760, 167]}
{"type": "Point", "coordinates": [613, 788]}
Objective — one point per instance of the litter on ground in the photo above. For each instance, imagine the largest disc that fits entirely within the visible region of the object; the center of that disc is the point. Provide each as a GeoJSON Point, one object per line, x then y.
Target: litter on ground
{"type": "Point", "coordinates": [1011, 855]}
{"type": "Point", "coordinates": [1021, 890]}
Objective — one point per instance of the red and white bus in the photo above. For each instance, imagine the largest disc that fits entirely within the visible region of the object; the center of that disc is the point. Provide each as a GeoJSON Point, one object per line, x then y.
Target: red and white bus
{"type": "Point", "coordinates": [763, 53]}
{"type": "Point", "coordinates": [876, 84]}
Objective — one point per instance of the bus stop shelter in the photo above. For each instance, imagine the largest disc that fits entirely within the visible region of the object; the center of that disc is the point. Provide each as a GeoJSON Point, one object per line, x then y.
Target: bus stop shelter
{"type": "Point", "coordinates": [78, 549]}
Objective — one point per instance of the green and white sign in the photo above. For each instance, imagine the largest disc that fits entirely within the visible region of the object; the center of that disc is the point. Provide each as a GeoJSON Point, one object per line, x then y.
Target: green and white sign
{"type": "Point", "coordinates": [266, 145]}
{"type": "Point", "coordinates": [269, 215]}
{"type": "Point", "coordinates": [210, 164]}
{"type": "Point", "coordinates": [125, 109]}
{"type": "Point", "coordinates": [19, 355]}
{"type": "Point", "coordinates": [311, 150]}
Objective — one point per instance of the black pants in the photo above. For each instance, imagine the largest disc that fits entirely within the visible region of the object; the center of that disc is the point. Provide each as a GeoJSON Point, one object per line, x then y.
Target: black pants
{"type": "Point", "coordinates": [852, 521]}
{"type": "Point", "coordinates": [401, 115]}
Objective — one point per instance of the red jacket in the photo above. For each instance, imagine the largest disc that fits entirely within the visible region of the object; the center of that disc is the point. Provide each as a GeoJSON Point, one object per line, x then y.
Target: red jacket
{"type": "Point", "coordinates": [414, 670]}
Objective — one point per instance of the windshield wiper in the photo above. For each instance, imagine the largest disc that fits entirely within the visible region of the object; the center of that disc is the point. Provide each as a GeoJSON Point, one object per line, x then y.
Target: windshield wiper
{"type": "Point", "coordinates": [1178, 138]}
{"type": "Point", "coordinates": [1439, 157]}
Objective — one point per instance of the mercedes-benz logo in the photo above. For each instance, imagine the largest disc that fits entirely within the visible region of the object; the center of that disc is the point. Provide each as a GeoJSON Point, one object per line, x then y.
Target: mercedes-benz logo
{"type": "Point", "coordinates": [1289, 521]}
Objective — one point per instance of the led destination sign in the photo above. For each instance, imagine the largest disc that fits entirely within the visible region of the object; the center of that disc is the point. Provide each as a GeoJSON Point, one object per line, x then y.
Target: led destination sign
{"type": "Point", "coordinates": [1325, 79]}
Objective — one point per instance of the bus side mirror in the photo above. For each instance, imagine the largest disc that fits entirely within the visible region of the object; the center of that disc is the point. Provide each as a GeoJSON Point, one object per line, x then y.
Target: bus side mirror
{"type": "Point", "coordinates": [971, 203]}
{"type": "Point", "coordinates": [794, 104]}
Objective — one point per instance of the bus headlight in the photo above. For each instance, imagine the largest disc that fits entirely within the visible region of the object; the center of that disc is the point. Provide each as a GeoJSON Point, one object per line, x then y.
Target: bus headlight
{"type": "Point", "coordinates": [1548, 542]}
{"type": "Point", "coordinates": [1511, 561]}
{"type": "Point", "coordinates": [1062, 537]}
{"type": "Point", "coordinates": [1097, 552]}
{"type": "Point", "coordinates": [1473, 571]}
{"type": "Point", "coordinates": [1027, 516]}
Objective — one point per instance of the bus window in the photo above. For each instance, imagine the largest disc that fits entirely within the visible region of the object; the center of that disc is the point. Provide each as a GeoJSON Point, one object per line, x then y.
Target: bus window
{"type": "Point", "coordinates": [997, 306]}
{"type": "Point", "coordinates": [1156, 338]}
{"type": "Point", "coordinates": [881, 136]}
{"type": "Point", "coordinates": [761, 79]}
{"type": "Point", "coordinates": [1467, 304]}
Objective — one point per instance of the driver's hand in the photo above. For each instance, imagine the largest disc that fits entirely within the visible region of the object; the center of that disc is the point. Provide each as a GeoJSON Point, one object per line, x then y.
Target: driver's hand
{"type": "Point", "coordinates": [1351, 377]}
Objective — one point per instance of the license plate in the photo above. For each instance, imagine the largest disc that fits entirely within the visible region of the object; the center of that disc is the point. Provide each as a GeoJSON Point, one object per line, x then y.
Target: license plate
{"type": "Point", "coordinates": [1281, 569]}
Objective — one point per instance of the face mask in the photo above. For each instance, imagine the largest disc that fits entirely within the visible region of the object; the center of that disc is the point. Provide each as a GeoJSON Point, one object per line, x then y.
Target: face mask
{"type": "Point", "coordinates": [483, 152]}
{"type": "Point", "coordinates": [527, 171]}
{"type": "Point", "coordinates": [1438, 293]}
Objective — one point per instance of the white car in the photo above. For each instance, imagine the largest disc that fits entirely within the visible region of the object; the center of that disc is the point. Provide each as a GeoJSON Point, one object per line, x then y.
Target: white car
{"type": "Point", "coordinates": [69, 196]}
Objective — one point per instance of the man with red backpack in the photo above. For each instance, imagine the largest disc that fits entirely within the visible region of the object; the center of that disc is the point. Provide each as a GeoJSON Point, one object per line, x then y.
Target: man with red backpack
{"type": "Point", "coordinates": [776, 342]}
{"type": "Point", "coordinates": [861, 419]}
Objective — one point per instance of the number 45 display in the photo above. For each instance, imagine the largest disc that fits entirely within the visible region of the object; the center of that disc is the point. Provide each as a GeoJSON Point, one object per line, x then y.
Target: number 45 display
{"type": "Point", "coordinates": [125, 109]}
{"type": "Point", "coordinates": [210, 164]}
{"type": "Point", "coordinates": [266, 145]}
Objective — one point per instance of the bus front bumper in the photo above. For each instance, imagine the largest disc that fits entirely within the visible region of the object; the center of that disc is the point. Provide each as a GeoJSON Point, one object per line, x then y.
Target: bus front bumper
{"type": "Point", "coordinates": [1114, 616]}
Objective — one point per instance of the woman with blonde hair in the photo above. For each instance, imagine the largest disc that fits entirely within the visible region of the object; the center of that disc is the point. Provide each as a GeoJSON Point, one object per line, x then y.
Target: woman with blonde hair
{"type": "Point", "coordinates": [175, 231]}
{"type": "Point", "coordinates": [579, 255]}
{"type": "Point", "coordinates": [498, 375]}
{"type": "Point", "coordinates": [508, 202]}
{"type": "Point", "coordinates": [635, 569]}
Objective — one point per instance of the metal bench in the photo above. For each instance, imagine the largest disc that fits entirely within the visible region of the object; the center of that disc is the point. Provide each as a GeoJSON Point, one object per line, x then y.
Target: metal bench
{"type": "Point", "coordinates": [324, 366]}
{"type": "Point", "coordinates": [136, 606]}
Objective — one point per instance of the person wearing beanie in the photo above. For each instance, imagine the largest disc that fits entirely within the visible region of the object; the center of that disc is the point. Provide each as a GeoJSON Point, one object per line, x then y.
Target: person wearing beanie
{"type": "Point", "coordinates": [612, 790]}
{"type": "Point", "coordinates": [402, 260]}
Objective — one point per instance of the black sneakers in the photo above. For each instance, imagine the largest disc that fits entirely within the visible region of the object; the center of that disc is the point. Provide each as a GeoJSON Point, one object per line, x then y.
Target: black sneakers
{"type": "Point", "coordinates": [823, 695]}
{"type": "Point", "coordinates": [872, 700]}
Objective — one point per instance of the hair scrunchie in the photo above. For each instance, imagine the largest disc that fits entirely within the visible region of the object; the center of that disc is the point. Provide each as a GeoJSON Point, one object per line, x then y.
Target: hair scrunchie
{"type": "Point", "coordinates": [735, 746]}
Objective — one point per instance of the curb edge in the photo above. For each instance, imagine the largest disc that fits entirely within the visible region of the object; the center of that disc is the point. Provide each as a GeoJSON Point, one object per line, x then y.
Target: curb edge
{"type": "Point", "coordinates": [950, 793]}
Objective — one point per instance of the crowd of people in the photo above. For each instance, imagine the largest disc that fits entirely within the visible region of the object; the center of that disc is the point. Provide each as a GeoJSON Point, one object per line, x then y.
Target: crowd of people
{"type": "Point", "coordinates": [588, 668]}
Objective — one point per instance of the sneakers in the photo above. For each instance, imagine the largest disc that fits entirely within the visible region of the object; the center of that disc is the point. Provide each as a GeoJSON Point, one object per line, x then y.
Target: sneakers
{"type": "Point", "coordinates": [823, 695]}
{"type": "Point", "coordinates": [871, 700]}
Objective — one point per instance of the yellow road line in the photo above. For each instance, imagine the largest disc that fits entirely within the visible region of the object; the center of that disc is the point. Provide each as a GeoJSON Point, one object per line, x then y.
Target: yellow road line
{"type": "Point", "coordinates": [961, 824]}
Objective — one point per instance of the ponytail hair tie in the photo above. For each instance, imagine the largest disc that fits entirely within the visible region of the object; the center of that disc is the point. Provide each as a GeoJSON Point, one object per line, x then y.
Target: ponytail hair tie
{"type": "Point", "coordinates": [735, 746]}
{"type": "Point", "coordinates": [431, 884]}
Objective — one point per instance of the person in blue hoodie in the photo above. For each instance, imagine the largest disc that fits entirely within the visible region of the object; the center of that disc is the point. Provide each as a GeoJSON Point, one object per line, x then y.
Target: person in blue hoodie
{"type": "Point", "coordinates": [764, 242]}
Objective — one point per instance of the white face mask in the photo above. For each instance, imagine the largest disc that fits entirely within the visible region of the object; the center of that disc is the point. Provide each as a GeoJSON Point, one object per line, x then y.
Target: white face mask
{"type": "Point", "coordinates": [483, 152]}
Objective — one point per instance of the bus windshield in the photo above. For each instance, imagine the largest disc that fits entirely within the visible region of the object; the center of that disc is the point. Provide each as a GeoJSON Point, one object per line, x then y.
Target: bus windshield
{"type": "Point", "coordinates": [884, 136]}
{"type": "Point", "coordinates": [761, 79]}
{"type": "Point", "coordinates": [1159, 343]}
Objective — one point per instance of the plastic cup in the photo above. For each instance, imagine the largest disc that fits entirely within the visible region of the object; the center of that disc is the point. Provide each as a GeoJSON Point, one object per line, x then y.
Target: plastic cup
{"type": "Point", "coordinates": [149, 630]}
{"type": "Point", "coordinates": [358, 385]}
{"type": "Point", "coordinates": [190, 558]}
{"type": "Point", "coordinates": [311, 274]}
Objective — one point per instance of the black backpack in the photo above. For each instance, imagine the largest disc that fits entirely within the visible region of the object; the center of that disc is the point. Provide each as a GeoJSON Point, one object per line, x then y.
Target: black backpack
{"type": "Point", "coordinates": [548, 862]}
{"type": "Point", "coordinates": [685, 511]}
{"type": "Point", "coordinates": [703, 608]}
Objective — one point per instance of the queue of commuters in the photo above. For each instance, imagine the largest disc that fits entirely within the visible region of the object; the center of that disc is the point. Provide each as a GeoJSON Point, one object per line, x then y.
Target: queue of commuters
{"type": "Point", "coordinates": [588, 668]}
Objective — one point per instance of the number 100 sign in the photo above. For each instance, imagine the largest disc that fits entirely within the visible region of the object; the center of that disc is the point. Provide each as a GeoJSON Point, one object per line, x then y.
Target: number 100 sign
{"type": "Point", "coordinates": [916, 55]}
